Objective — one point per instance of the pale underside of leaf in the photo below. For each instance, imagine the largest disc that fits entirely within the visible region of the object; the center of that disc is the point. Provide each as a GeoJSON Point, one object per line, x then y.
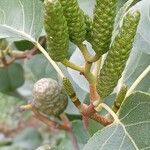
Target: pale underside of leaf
{"type": "Point", "coordinates": [21, 19]}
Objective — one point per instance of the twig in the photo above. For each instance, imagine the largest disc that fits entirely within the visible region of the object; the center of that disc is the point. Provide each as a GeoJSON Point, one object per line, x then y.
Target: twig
{"type": "Point", "coordinates": [102, 105]}
{"type": "Point", "coordinates": [16, 55]}
{"type": "Point", "coordinates": [84, 51]}
{"type": "Point", "coordinates": [73, 66]}
{"type": "Point", "coordinates": [44, 119]}
{"type": "Point", "coordinates": [101, 119]}
{"type": "Point", "coordinates": [93, 93]}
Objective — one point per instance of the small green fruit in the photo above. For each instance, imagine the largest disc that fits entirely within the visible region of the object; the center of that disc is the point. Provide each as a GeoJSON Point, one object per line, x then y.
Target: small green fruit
{"type": "Point", "coordinates": [49, 97]}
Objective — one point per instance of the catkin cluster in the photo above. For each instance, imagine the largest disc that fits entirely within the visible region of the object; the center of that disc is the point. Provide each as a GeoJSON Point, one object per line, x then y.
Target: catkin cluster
{"type": "Point", "coordinates": [64, 21]}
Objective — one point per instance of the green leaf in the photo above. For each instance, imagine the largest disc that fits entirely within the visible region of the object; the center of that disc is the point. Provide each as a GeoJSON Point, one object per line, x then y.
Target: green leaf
{"type": "Point", "coordinates": [23, 45]}
{"type": "Point", "coordinates": [11, 77]}
{"type": "Point", "coordinates": [80, 132]}
{"type": "Point", "coordinates": [131, 132]}
{"type": "Point", "coordinates": [9, 110]}
{"type": "Point", "coordinates": [29, 139]}
{"type": "Point", "coordinates": [41, 68]}
{"type": "Point", "coordinates": [21, 19]}
{"type": "Point", "coordinates": [138, 66]}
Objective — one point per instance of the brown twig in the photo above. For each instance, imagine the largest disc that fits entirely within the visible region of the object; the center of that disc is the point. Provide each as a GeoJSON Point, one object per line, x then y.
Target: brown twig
{"type": "Point", "coordinates": [16, 55]}
{"type": "Point", "coordinates": [93, 93]}
{"type": "Point", "coordinates": [45, 119]}
{"type": "Point", "coordinates": [101, 119]}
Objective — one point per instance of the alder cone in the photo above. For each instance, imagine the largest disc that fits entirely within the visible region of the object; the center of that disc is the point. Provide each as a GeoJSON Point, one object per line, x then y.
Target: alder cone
{"type": "Point", "coordinates": [118, 55]}
{"type": "Point", "coordinates": [56, 29]}
{"type": "Point", "coordinates": [49, 97]}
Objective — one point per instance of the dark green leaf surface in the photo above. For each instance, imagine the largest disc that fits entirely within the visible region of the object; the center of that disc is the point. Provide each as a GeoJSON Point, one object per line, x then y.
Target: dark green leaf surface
{"type": "Point", "coordinates": [11, 77]}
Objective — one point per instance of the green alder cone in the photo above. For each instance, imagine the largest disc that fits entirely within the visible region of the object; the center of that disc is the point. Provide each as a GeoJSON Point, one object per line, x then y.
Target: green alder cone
{"type": "Point", "coordinates": [88, 22]}
{"type": "Point", "coordinates": [103, 21]}
{"type": "Point", "coordinates": [56, 29]}
{"type": "Point", "coordinates": [75, 20]}
{"type": "Point", "coordinates": [49, 97]}
{"type": "Point", "coordinates": [118, 55]}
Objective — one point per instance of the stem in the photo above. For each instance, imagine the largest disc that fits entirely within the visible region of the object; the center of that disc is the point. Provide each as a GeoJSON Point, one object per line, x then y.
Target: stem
{"type": "Point", "coordinates": [71, 65]}
{"type": "Point", "coordinates": [138, 80]}
{"type": "Point", "coordinates": [94, 58]}
{"type": "Point", "coordinates": [50, 60]}
{"type": "Point", "coordinates": [99, 107]}
{"type": "Point", "coordinates": [84, 51]}
{"type": "Point", "coordinates": [87, 56]}
{"type": "Point", "coordinates": [87, 67]}
{"type": "Point", "coordinates": [101, 119]}
{"type": "Point", "coordinates": [97, 67]}
{"type": "Point", "coordinates": [93, 93]}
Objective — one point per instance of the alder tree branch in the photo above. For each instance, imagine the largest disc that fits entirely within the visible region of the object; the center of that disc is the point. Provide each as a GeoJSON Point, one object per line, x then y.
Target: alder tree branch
{"type": "Point", "coordinates": [17, 55]}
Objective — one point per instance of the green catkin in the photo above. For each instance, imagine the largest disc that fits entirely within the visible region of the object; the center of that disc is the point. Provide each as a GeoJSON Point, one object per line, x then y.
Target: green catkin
{"type": "Point", "coordinates": [56, 29]}
{"type": "Point", "coordinates": [88, 22]}
{"type": "Point", "coordinates": [118, 55]}
{"type": "Point", "coordinates": [120, 98]}
{"type": "Point", "coordinates": [71, 92]}
{"type": "Point", "coordinates": [68, 87]}
{"type": "Point", "coordinates": [104, 16]}
{"type": "Point", "coordinates": [75, 20]}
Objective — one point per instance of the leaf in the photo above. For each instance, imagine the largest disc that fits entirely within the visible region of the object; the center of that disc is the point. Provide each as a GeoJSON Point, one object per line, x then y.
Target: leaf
{"type": "Point", "coordinates": [11, 77]}
{"type": "Point", "coordinates": [41, 68]}
{"type": "Point", "coordinates": [28, 139]}
{"type": "Point", "coordinates": [131, 132]}
{"type": "Point", "coordinates": [23, 45]}
{"type": "Point", "coordinates": [138, 66]}
{"type": "Point", "coordinates": [80, 132]}
{"type": "Point", "coordinates": [9, 110]}
{"type": "Point", "coordinates": [87, 6]}
{"type": "Point", "coordinates": [21, 19]}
